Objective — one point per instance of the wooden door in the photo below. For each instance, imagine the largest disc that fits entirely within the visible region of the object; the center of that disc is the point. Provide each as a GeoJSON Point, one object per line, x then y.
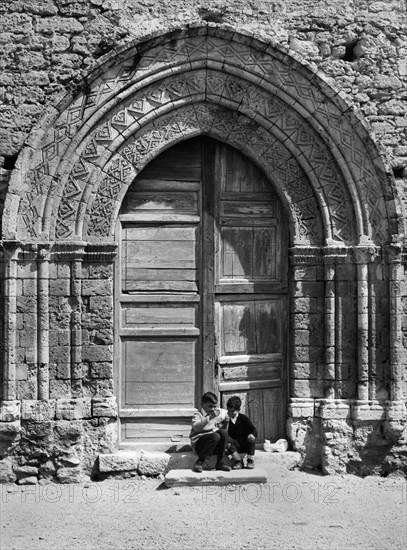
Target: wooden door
{"type": "Point", "coordinates": [250, 292]}
{"type": "Point", "coordinates": [201, 294]}
{"type": "Point", "coordinates": [159, 303]}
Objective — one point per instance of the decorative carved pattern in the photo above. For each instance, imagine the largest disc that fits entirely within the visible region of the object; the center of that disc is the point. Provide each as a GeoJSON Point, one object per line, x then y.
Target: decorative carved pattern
{"type": "Point", "coordinates": [230, 126]}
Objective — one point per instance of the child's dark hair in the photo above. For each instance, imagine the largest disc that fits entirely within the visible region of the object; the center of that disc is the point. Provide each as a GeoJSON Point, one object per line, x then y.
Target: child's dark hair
{"type": "Point", "coordinates": [234, 403]}
{"type": "Point", "coordinates": [209, 397]}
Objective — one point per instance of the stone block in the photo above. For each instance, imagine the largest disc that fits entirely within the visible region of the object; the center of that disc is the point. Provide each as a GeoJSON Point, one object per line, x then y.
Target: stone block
{"type": "Point", "coordinates": [97, 287]}
{"type": "Point", "coordinates": [7, 474]}
{"type": "Point", "coordinates": [304, 370]}
{"type": "Point", "coordinates": [396, 411]}
{"type": "Point", "coordinates": [101, 370]}
{"type": "Point", "coordinates": [368, 410]}
{"type": "Point", "coordinates": [26, 304]}
{"type": "Point", "coordinates": [104, 406]}
{"type": "Point", "coordinates": [29, 480]}
{"type": "Point", "coordinates": [328, 409]}
{"type": "Point", "coordinates": [121, 461]}
{"type": "Point", "coordinates": [305, 305]}
{"type": "Point", "coordinates": [73, 409]}
{"type": "Point", "coordinates": [153, 463]}
{"type": "Point", "coordinates": [25, 471]}
{"type": "Point", "coordinates": [70, 461]}
{"type": "Point", "coordinates": [181, 478]}
{"type": "Point", "coordinates": [38, 411]}
{"type": "Point", "coordinates": [21, 371]}
{"type": "Point", "coordinates": [63, 371]}
{"type": "Point", "coordinates": [10, 411]}
{"type": "Point", "coordinates": [101, 306]}
{"type": "Point", "coordinates": [308, 388]}
{"type": "Point", "coordinates": [60, 25]}
{"type": "Point", "coordinates": [305, 273]}
{"type": "Point", "coordinates": [9, 430]}
{"type": "Point", "coordinates": [70, 475]}
{"type": "Point", "coordinates": [301, 408]}
{"type": "Point", "coordinates": [94, 353]}
{"type": "Point", "coordinates": [60, 355]}
{"type": "Point", "coordinates": [59, 388]}
{"type": "Point", "coordinates": [59, 287]}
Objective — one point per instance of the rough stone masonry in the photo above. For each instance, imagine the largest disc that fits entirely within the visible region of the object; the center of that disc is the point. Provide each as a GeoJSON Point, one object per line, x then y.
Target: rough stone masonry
{"type": "Point", "coordinates": [314, 93]}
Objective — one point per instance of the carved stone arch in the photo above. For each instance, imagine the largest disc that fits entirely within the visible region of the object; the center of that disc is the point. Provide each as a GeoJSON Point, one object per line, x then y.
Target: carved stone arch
{"type": "Point", "coordinates": [289, 179]}
{"type": "Point", "coordinates": [279, 92]}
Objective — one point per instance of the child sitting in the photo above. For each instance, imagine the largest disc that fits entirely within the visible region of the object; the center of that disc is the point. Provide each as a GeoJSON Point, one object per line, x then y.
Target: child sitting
{"type": "Point", "coordinates": [208, 434]}
{"type": "Point", "coordinates": [242, 434]}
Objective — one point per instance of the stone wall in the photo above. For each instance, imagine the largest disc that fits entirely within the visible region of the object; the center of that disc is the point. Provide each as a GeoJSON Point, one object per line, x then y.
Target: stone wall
{"type": "Point", "coordinates": [59, 306]}
{"type": "Point", "coordinates": [360, 45]}
{"type": "Point", "coordinates": [65, 412]}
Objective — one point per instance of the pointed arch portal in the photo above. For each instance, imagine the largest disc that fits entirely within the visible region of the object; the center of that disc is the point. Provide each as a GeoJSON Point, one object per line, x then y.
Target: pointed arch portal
{"type": "Point", "coordinates": [343, 217]}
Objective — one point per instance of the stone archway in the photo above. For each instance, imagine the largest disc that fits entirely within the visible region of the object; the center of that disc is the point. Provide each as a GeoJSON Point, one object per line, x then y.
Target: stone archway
{"type": "Point", "coordinates": [344, 216]}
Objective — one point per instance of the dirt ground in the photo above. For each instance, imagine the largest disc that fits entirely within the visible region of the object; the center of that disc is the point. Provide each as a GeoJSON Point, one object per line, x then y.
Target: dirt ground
{"type": "Point", "coordinates": [293, 510]}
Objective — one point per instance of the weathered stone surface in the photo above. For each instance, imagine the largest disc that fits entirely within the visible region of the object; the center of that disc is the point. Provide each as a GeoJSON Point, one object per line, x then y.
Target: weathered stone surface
{"type": "Point", "coordinates": [73, 409]}
{"type": "Point", "coordinates": [121, 461]}
{"type": "Point", "coordinates": [70, 475]}
{"type": "Point", "coordinates": [29, 480]}
{"type": "Point", "coordinates": [10, 411]}
{"type": "Point", "coordinates": [7, 474]}
{"type": "Point", "coordinates": [153, 463]}
{"type": "Point", "coordinates": [180, 478]}
{"type": "Point", "coordinates": [38, 411]}
{"type": "Point", "coordinates": [288, 459]}
{"type": "Point", "coordinates": [104, 406]}
{"type": "Point", "coordinates": [9, 430]}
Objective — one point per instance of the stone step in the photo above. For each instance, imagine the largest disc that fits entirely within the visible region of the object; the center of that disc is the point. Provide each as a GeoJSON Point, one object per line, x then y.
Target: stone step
{"type": "Point", "coordinates": [187, 477]}
{"type": "Point", "coordinates": [153, 463]}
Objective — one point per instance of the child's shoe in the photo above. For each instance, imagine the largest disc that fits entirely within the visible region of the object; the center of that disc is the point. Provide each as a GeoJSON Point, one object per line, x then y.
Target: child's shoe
{"type": "Point", "coordinates": [198, 466]}
{"type": "Point", "coordinates": [238, 465]}
{"type": "Point", "coordinates": [222, 466]}
{"type": "Point", "coordinates": [250, 464]}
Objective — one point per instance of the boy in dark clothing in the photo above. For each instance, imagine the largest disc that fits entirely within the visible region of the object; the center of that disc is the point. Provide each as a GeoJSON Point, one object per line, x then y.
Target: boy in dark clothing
{"type": "Point", "coordinates": [242, 434]}
{"type": "Point", "coordinates": [208, 434]}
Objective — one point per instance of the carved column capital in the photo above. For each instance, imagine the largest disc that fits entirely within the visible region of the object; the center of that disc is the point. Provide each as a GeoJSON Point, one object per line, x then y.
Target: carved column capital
{"type": "Point", "coordinates": [394, 253]}
{"type": "Point", "coordinates": [366, 254]}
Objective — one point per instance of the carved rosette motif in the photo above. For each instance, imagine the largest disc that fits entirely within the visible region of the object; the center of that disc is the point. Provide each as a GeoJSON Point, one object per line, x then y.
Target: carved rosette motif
{"type": "Point", "coordinates": [254, 118]}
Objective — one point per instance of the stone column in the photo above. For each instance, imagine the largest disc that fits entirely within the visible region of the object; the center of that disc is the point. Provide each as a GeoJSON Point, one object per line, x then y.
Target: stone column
{"type": "Point", "coordinates": [330, 299]}
{"type": "Point", "coordinates": [396, 274]}
{"type": "Point", "coordinates": [11, 252]}
{"type": "Point", "coordinates": [363, 256]}
{"type": "Point", "coordinates": [76, 320]}
{"type": "Point", "coordinates": [43, 321]}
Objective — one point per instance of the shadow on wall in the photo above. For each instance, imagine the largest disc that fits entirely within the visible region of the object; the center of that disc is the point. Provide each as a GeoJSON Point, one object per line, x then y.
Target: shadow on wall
{"type": "Point", "coordinates": [373, 445]}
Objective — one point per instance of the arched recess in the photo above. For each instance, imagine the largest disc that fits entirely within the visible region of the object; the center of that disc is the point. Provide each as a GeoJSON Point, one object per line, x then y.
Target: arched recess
{"type": "Point", "coordinates": [264, 100]}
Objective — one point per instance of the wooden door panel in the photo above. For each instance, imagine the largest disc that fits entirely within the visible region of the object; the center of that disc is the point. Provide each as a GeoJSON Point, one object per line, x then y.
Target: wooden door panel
{"type": "Point", "coordinates": [250, 327]}
{"type": "Point", "coordinates": [159, 257]}
{"type": "Point", "coordinates": [157, 431]}
{"type": "Point", "coordinates": [159, 301]}
{"type": "Point", "coordinates": [159, 371]}
{"type": "Point", "coordinates": [163, 316]}
{"type": "Point", "coordinates": [250, 295]}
